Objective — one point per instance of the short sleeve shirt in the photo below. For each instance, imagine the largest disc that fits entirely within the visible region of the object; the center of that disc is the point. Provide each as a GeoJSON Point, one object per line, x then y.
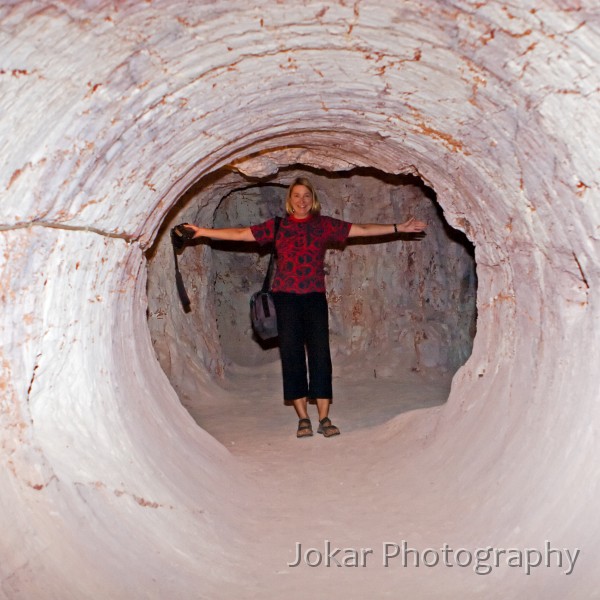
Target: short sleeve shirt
{"type": "Point", "coordinates": [301, 246]}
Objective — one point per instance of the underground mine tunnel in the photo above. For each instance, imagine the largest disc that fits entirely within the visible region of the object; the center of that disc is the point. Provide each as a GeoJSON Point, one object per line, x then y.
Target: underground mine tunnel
{"type": "Point", "coordinates": [119, 119]}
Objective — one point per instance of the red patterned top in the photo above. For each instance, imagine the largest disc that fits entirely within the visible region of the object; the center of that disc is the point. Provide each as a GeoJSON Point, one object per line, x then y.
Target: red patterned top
{"type": "Point", "coordinates": [301, 246]}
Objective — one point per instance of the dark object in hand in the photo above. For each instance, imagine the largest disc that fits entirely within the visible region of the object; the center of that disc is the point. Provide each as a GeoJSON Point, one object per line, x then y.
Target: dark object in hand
{"type": "Point", "coordinates": [180, 234]}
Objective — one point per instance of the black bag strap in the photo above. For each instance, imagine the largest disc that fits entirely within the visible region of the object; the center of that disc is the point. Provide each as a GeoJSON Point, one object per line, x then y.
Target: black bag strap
{"type": "Point", "coordinates": [269, 275]}
{"type": "Point", "coordinates": [183, 296]}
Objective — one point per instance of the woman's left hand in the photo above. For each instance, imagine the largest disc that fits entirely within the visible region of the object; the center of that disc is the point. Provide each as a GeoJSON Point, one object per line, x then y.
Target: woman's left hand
{"type": "Point", "coordinates": [412, 226]}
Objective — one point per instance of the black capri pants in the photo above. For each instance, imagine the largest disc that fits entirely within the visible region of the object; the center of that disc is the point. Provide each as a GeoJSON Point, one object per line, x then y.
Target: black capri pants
{"type": "Point", "coordinates": [303, 326]}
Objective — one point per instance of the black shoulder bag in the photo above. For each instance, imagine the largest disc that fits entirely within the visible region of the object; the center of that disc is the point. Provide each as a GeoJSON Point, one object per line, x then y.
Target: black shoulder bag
{"type": "Point", "coordinates": [262, 307]}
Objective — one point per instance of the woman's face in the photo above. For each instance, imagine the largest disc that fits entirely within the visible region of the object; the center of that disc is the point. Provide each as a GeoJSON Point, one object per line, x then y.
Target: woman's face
{"type": "Point", "coordinates": [301, 200]}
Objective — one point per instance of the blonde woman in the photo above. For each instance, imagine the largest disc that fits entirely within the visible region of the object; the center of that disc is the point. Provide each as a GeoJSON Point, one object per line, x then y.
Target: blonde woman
{"type": "Point", "coordinates": [299, 293]}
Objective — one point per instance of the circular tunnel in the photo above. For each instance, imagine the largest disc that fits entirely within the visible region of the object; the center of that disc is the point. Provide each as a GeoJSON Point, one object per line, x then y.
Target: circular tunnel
{"type": "Point", "coordinates": [112, 114]}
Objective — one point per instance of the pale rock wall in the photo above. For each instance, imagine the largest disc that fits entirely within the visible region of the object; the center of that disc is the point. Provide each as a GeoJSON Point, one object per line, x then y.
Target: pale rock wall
{"type": "Point", "coordinates": [111, 111]}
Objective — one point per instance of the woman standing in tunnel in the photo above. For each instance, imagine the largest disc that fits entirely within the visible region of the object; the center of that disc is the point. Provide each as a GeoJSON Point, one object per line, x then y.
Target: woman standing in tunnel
{"type": "Point", "coordinates": [299, 292]}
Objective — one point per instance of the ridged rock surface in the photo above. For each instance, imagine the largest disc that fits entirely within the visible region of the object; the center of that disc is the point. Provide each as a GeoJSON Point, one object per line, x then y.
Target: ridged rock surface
{"type": "Point", "coordinates": [110, 112]}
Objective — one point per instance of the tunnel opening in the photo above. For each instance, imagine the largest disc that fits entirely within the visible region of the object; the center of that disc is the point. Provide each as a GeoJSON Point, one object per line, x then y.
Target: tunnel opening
{"type": "Point", "coordinates": [399, 308]}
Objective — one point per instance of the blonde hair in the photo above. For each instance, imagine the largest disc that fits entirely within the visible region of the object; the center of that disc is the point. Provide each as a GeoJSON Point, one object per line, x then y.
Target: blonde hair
{"type": "Point", "coordinates": [315, 209]}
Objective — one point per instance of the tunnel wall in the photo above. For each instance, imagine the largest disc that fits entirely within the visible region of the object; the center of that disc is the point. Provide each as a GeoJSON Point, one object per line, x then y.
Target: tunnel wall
{"type": "Point", "coordinates": [112, 111]}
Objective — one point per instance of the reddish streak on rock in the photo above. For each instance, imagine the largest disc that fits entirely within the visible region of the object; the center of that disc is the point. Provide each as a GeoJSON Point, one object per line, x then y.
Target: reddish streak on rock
{"type": "Point", "coordinates": [518, 35]}
{"type": "Point", "coordinates": [357, 310]}
{"type": "Point", "coordinates": [451, 142]}
{"type": "Point", "coordinates": [13, 178]}
{"type": "Point", "coordinates": [582, 187]}
{"type": "Point", "coordinates": [143, 502]}
{"type": "Point", "coordinates": [489, 36]}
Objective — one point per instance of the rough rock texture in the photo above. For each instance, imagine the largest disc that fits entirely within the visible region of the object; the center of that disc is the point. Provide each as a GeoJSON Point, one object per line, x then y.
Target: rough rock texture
{"type": "Point", "coordinates": [111, 111]}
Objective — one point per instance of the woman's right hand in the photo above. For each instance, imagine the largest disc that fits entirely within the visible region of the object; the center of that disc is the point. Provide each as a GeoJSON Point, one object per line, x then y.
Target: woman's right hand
{"type": "Point", "coordinates": [235, 234]}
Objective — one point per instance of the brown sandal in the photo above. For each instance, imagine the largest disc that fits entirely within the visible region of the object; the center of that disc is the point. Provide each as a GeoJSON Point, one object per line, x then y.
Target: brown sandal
{"type": "Point", "coordinates": [304, 428]}
{"type": "Point", "coordinates": [327, 428]}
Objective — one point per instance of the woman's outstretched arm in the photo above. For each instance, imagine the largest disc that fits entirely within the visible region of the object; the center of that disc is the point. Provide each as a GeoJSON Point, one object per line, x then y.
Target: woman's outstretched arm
{"type": "Point", "coordinates": [234, 234]}
{"type": "Point", "coordinates": [369, 229]}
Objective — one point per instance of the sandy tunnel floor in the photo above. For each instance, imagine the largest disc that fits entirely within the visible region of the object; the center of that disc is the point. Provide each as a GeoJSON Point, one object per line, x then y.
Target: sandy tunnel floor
{"type": "Point", "coordinates": [316, 490]}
